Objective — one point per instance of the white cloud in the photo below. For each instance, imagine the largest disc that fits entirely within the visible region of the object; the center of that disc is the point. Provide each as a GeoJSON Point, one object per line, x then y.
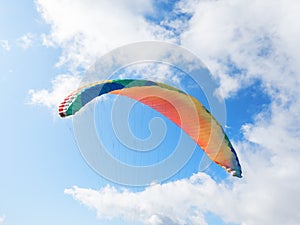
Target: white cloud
{"type": "Point", "coordinates": [2, 220]}
{"type": "Point", "coordinates": [26, 40]}
{"type": "Point", "coordinates": [62, 85]}
{"type": "Point", "coordinates": [109, 24]}
{"type": "Point", "coordinates": [268, 194]}
{"type": "Point", "coordinates": [5, 45]}
{"type": "Point", "coordinates": [156, 205]}
{"type": "Point", "coordinates": [245, 40]}
{"type": "Point", "coordinates": [85, 30]}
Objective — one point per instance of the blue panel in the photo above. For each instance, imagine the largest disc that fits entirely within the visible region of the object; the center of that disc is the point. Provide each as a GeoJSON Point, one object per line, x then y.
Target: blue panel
{"type": "Point", "coordinates": [90, 93]}
{"type": "Point", "coordinates": [108, 87]}
{"type": "Point", "coordinates": [94, 91]}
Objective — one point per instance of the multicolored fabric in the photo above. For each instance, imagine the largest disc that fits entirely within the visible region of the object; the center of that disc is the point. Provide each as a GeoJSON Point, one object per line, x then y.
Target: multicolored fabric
{"type": "Point", "coordinates": [182, 109]}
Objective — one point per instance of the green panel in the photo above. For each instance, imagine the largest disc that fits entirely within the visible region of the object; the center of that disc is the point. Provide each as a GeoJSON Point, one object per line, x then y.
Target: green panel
{"type": "Point", "coordinates": [131, 83]}
{"type": "Point", "coordinates": [170, 88]}
{"type": "Point", "coordinates": [75, 106]}
{"type": "Point", "coordinates": [124, 82]}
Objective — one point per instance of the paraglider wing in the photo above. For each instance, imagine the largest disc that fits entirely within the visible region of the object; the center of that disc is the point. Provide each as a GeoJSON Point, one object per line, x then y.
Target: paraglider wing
{"type": "Point", "coordinates": [182, 109]}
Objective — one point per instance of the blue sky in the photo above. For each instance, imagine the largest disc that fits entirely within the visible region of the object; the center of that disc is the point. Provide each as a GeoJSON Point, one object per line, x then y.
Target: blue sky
{"type": "Point", "coordinates": [250, 48]}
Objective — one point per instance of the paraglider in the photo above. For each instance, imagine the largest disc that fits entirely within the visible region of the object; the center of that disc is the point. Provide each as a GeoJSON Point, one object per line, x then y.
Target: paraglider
{"type": "Point", "coordinates": [179, 107]}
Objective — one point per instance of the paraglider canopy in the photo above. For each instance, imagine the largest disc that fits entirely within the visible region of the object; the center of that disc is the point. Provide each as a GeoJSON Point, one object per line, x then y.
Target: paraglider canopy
{"type": "Point", "coordinates": [179, 107]}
